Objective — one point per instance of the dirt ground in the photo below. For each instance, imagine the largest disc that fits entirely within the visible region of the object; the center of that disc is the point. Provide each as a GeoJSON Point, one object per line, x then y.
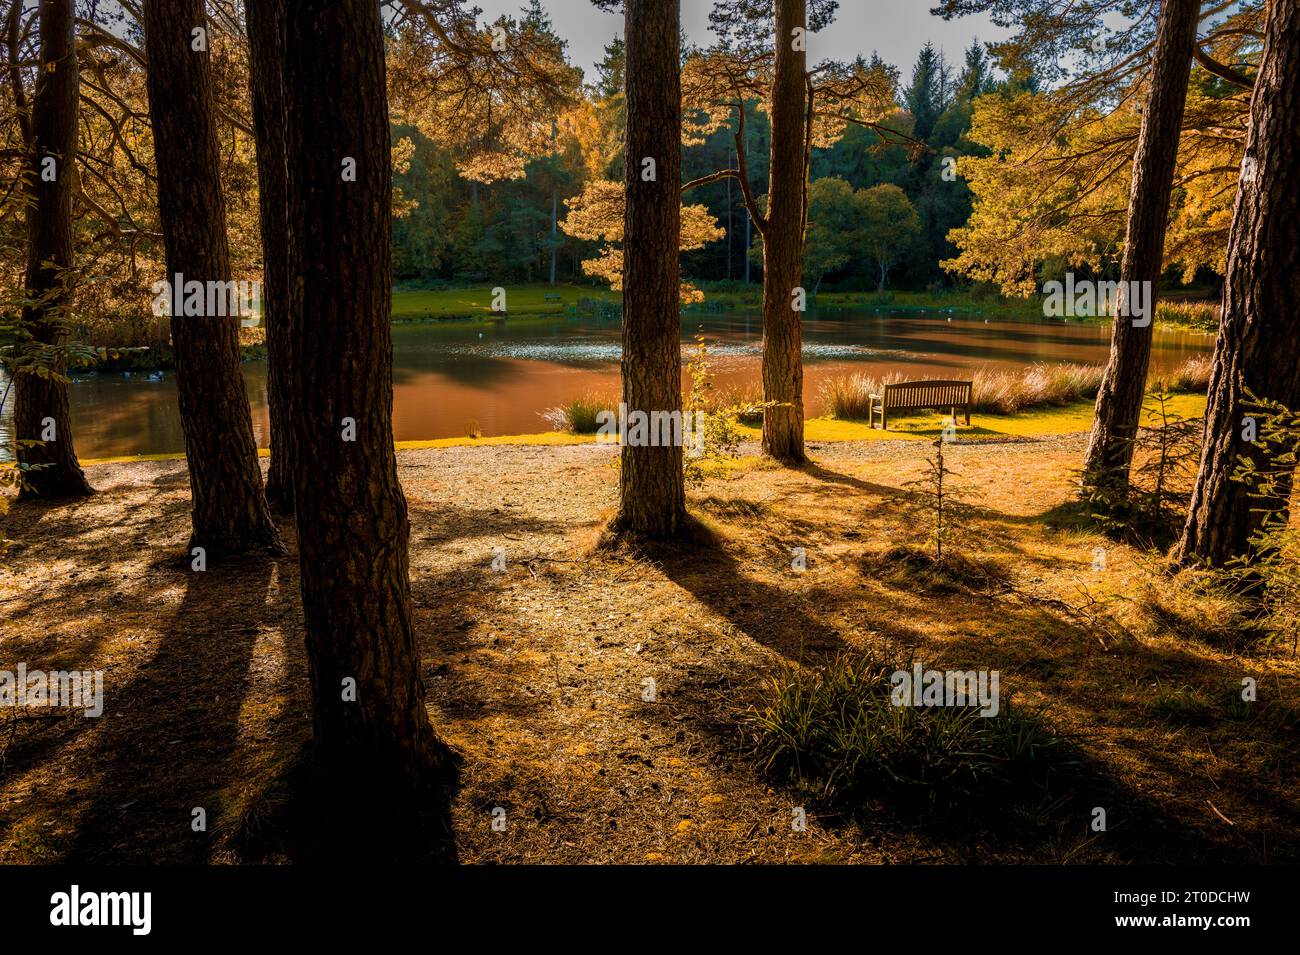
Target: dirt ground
{"type": "Point", "coordinates": [538, 674]}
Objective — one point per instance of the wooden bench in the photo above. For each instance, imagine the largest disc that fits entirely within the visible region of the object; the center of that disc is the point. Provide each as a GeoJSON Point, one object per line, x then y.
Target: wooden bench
{"type": "Point", "coordinates": [551, 297]}
{"type": "Point", "coordinates": [918, 395]}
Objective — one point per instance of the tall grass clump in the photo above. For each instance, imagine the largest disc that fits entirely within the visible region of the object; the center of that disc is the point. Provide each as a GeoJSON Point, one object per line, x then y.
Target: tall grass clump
{"type": "Point", "coordinates": [834, 730]}
{"type": "Point", "coordinates": [578, 415]}
{"type": "Point", "coordinates": [1203, 316]}
{"type": "Point", "coordinates": [1193, 375]}
{"type": "Point", "coordinates": [1039, 385]}
{"type": "Point", "coordinates": [848, 397]}
{"type": "Point", "coordinates": [1008, 391]}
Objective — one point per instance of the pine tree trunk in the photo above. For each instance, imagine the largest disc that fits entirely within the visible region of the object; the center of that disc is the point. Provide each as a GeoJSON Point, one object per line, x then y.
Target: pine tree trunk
{"type": "Point", "coordinates": [230, 513]}
{"type": "Point", "coordinates": [41, 408]}
{"type": "Point", "coordinates": [555, 225]}
{"type": "Point", "coordinates": [783, 244]}
{"type": "Point", "coordinates": [351, 513]}
{"type": "Point", "coordinates": [1123, 386]}
{"type": "Point", "coordinates": [266, 78]}
{"type": "Point", "coordinates": [651, 482]}
{"type": "Point", "coordinates": [1256, 348]}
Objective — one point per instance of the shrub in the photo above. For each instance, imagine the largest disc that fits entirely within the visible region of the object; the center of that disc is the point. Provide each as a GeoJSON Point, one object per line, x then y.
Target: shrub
{"type": "Point", "coordinates": [835, 730]}
{"type": "Point", "coordinates": [1008, 391]}
{"type": "Point", "coordinates": [578, 416]}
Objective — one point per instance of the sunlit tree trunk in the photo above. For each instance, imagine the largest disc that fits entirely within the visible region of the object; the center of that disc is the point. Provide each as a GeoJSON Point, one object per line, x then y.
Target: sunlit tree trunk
{"type": "Point", "coordinates": [1123, 387]}
{"type": "Point", "coordinates": [783, 241]}
{"type": "Point", "coordinates": [41, 410]}
{"type": "Point", "coordinates": [266, 79]}
{"type": "Point", "coordinates": [351, 513]}
{"type": "Point", "coordinates": [652, 499]}
{"type": "Point", "coordinates": [555, 210]}
{"type": "Point", "coordinates": [230, 514]}
{"type": "Point", "coordinates": [1258, 337]}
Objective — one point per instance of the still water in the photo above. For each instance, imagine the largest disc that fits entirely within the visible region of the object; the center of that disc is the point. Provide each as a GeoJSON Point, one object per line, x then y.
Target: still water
{"type": "Point", "coordinates": [497, 377]}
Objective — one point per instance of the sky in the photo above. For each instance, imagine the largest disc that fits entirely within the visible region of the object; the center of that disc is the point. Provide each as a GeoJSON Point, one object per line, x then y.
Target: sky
{"type": "Point", "coordinates": [896, 28]}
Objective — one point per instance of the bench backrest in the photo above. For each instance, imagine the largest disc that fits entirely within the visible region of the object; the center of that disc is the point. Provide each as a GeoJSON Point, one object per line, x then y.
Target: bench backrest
{"type": "Point", "coordinates": [927, 394]}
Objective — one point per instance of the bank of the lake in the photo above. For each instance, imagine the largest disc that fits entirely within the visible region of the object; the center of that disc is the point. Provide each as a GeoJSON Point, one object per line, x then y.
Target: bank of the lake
{"type": "Point", "coordinates": [1037, 424]}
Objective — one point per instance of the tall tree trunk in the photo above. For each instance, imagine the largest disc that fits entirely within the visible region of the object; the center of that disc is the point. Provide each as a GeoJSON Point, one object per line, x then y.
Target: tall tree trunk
{"type": "Point", "coordinates": [730, 219]}
{"type": "Point", "coordinates": [41, 411]}
{"type": "Point", "coordinates": [652, 494]}
{"type": "Point", "coordinates": [266, 78]}
{"type": "Point", "coordinates": [783, 242]}
{"type": "Point", "coordinates": [1256, 348]}
{"type": "Point", "coordinates": [230, 513]}
{"type": "Point", "coordinates": [351, 514]}
{"type": "Point", "coordinates": [555, 210]}
{"type": "Point", "coordinates": [555, 220]}
{"type": "Point", "coordinates": [1123, 387]}
{"type": "Point", "coordinates": [749, 239]}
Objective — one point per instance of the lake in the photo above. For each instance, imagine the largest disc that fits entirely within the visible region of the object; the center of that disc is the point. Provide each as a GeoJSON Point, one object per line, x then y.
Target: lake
{"type": "Point", "coordinates": [497, 377]}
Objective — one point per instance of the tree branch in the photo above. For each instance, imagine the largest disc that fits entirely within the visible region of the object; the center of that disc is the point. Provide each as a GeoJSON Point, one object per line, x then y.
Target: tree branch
{"type": "Point", "coordinates": [1220, 70]}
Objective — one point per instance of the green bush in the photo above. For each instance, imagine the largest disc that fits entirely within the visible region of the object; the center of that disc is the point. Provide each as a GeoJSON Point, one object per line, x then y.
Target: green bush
{"type": "Point", "coordinates": [834, 730]}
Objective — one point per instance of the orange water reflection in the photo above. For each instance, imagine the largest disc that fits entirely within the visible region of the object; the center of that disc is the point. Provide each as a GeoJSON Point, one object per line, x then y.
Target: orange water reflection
{"type": "Point", "coordinates": [498, 377]}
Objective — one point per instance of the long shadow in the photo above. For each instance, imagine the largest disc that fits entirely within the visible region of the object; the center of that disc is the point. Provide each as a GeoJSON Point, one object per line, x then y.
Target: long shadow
{"type": "Point", "coordinates": [165, 749]}
{"type": "Point", "coordinates": [715, 578]}
{"type": "Point", "coordinates": [1047, 821]}
{"type": "Point", "coordinates": [835, 477]}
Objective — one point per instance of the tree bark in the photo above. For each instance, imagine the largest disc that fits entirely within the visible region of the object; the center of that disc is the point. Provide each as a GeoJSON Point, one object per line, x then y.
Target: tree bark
{"type": "Point", "coordinates": [351, 514]}
{"type": "Point", "coordinates": [230, 513]}
{"type": "Point", "coordinates": [41, 401]}
{"type": "Point", "coordinates": [266, 79]}
{"type": "Point", "coordinates": [783, 243]}
{"type": "Point", "coordinates": [1123, 386]}
{"type": "Point", "coordinates": [652, 494]}
{"type": "Point", "coordinates": [1256, 348]}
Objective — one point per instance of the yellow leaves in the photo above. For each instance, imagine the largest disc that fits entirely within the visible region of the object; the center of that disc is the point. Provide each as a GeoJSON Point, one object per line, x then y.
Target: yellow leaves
{"type": "Point", "coordinates": [488, 166]}
{"type": "Point", "coordinates": [491, 104]}
{"type": "Point", "coordinates": [596, 214]}
{"type": "Point", "coordinates": [1056, 187]}
{"type": "Point", "coordinates": [403, 151]}
{"type": "Point", "coordinates": [714, 81]}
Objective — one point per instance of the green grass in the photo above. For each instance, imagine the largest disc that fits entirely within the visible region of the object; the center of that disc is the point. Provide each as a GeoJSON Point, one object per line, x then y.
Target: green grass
{"type": "Point", "coordinates": [443, 304]}
{"type": "Point", "coordinates": [834, 731]}
{"type": "Point", "coordinates": [719, 296]}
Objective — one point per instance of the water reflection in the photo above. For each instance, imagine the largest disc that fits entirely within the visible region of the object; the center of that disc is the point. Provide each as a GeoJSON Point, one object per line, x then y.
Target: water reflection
{"type": "Point", "coordinates": [498, 376]}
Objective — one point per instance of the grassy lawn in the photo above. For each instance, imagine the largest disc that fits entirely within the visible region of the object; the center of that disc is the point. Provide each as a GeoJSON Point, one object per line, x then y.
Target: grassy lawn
{"type": "Point", "coordinates": [415, 306]}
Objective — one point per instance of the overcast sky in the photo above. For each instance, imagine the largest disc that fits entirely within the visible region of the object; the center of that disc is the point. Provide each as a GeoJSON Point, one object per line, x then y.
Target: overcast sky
{"type": "Point", "coordinates": [896, 28]}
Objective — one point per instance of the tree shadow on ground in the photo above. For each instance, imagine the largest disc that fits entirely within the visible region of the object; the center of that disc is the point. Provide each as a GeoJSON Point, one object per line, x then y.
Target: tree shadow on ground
{"type": "Point", "coordinates": [166, 749]}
